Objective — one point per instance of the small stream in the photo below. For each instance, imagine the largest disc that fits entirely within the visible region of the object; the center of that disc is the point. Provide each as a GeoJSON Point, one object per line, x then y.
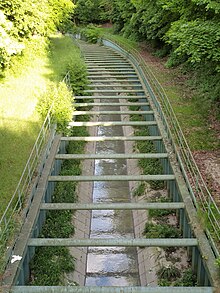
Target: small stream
{"type": "Point", "coordinates": [111, 266]}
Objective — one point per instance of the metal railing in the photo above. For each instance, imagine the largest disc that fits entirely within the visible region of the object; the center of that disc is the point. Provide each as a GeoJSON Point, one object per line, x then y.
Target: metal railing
{"type": "Point", "coordinates": [200, 194]}
{"type": "Point", "coordinates": [17, 209]}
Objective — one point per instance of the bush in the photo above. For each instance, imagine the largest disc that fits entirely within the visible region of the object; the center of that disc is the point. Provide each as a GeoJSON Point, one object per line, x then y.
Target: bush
{"type": "Point", "coordinates": [78, 76]}
{"type": "Point", "coordinates": [59, 99]}
{"type": "Point", "coordinates": [91, 33]}
{"type": "Point", "coordinates": [160, 231]}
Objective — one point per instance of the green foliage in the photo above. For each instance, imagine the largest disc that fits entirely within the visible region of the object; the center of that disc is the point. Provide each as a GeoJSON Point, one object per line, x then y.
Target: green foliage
{"type": "Point", "coordinates": [48, 265]}
{"type": "Point", "coordinates": [148, 166]}
{"type": "Point", "coordinates": [87, 11]}
{"type": "Point", "coordinates": [169, 273]}
{"type": "Point", "coordinates": [24, 19]}
{"type": "Point", "coordinates": [139, 191]}
{"type": "Point", "coordinates": [157, 214]}
{"type": "Point", "coordinates": [160, 214]}
{"type": "Point", "coordinates": [218, 263]}
{"type": "Point", "coordinates": [187, 31]}
{"type": "Point", "coordinates": [160, 231]}
{"type": "Point", "coordinates": [91, 33]}
{"type": "Point", "coordinates": [78, 76]}
{"type": "Point", "coordinates": [199, 40]}
{"type": "Point", "coordinates": [59, 99]}
{"type": "Point", "coordinates": [188, 279]}
{"type": "Point", "coordinates": [8, 44]}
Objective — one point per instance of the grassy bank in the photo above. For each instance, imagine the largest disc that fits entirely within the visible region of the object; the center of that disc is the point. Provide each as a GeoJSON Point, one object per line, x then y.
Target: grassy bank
{"type": "Point", "coordinates": [43, 63]}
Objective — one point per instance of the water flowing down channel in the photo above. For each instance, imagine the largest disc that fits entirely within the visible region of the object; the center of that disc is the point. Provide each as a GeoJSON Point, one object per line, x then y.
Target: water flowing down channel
{"type": "Point", "coordinates": [111, 266]}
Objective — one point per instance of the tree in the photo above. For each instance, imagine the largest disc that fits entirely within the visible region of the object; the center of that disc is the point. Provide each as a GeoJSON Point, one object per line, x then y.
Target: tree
{"type": "Point", "coordinates": [87, 11]}
{"type": "Point", "coordinates": [21, 19]}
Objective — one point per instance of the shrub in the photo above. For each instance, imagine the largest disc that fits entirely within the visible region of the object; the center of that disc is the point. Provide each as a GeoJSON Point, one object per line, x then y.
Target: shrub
{"type": "Point", "coordinates": [59, 99]}
{"type": "Point", "coordinates": [160, 231]}
{"type": "Point", "coordinates": [91, 33]}
{"type": "Point", "coordinates": [78, 75]}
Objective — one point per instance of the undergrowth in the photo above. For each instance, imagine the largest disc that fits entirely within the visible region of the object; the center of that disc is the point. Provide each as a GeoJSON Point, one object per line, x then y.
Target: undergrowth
{"type": "Point", "coordinates": [152, 230]}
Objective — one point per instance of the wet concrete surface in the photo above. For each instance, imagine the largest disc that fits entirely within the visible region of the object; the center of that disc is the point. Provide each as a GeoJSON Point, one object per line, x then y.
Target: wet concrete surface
{"type": "Point", "coordinates": [111, 266]}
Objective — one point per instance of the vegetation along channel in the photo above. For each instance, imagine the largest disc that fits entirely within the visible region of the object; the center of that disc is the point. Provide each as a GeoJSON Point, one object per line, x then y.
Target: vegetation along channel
{"type": "Point", "coordinates": [110, 178]}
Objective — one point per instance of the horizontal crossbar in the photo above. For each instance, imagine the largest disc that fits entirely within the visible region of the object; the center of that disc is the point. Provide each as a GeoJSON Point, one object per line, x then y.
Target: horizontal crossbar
{"type": "Point", "coordinates": [111, 60]}
{"type": "Point", "coordinates": [112, 178]}
{"type": "Point", "coordinates": [114, 73]}
{"type": "Point", "coordinates": [110, 70]}
{"type": "Point", "coordinates": [114, 86]}
{"type": "Point", "coordinates": [110, 75]}
{"type": "Point", "coordinates": [76, 113]}
{"type": "Point", "coordinates": [93, 242]}
{"type": "Point", "coordinates": [111, 97]}
{"type": "Point", "coordinates": [113, 123]}
{"type": "Point", "coordinates": [111, 104]}
{"type": "Point", "coordinates": [115, 91]}
{"type": "Point", "coordinates": [87, 289]}
{"type": "Point", "coordinates": [113, 206]}
{"type": "Point", "coordinates": [103, 66]}
{"type": "Point", "coordinates": [117, 80]}
{"type": "Point", "coordinates": [112, 156]}
{"type": "Point", "coordinates": [110, 138]}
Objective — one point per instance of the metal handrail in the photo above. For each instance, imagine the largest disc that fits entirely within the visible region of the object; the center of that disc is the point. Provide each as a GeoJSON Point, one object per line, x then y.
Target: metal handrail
{"type": "Point", "coordinates": [197, 187]}
{"type": "Point", "coordinates": [17, 209]}
{"type": "Point", "coordinates": [19, 205]}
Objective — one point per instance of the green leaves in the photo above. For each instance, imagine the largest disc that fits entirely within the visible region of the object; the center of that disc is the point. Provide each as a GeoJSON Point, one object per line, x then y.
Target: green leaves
{"type": "Point", "coordinates": [24, 19]}
{"type": "Point", "coordinates": [198, 40]}
{"type": "Point", "coordinates": [60, 101]}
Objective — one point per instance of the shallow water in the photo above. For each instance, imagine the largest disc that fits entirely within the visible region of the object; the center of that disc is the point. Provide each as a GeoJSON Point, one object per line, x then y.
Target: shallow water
{"type": "Point", "coordinates": [111, 266]}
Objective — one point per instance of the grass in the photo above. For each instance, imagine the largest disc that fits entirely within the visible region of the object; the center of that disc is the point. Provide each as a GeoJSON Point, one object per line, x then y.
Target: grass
{"type": "Point", "coordinates": [42, 63]}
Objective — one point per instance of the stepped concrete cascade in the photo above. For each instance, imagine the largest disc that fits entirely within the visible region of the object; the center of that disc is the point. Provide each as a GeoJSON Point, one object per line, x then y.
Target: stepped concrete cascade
{"type": "Point", "coordinates": [111, 254]}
